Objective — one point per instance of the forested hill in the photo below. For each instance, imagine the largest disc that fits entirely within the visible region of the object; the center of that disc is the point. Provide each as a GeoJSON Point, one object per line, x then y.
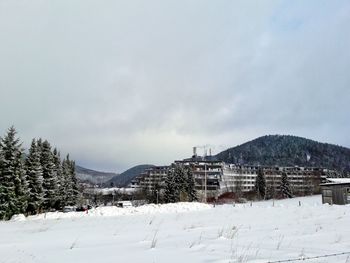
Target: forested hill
{"type": "Point", "coordinates": [286, 150]}
{"type": "Point", "coordinates": [126, 177]}
{"type": "Point", "coordinates": [92, 176]}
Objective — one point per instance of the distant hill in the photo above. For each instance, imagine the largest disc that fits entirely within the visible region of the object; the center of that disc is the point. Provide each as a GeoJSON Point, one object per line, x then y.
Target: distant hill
{"type": "Point", "coordinates": [286, 150]}
{"type": "Point", "coordinates": [126, 177]}
{"type": "Point", "coordinates": [92, 176]}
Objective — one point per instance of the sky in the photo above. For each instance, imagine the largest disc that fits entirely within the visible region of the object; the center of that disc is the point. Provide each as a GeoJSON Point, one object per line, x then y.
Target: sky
{"type": "Point", "coordinates": [119, 83]}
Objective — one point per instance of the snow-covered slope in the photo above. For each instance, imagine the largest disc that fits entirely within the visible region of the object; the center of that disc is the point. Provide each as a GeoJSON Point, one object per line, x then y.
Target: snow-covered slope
{"type": "Point", "coordinates": [107, 211]}
{"type": "Point", "coordinates": [92, 176]}
{"type": "Point", "coordinates": [263, 232]}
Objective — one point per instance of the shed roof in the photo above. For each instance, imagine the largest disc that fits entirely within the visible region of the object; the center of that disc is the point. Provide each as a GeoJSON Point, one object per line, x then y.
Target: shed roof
{"type": "Point", "coordinates": [339, 180]}
{"type": "Point", "coordinates": [336, 181]}
{"type": "Point", "coordinates": [334, 184]}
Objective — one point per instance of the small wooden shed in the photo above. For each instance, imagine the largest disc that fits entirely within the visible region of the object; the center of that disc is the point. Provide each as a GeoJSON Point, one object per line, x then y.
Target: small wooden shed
{"type": "Point", "coordinates": [336, 192]}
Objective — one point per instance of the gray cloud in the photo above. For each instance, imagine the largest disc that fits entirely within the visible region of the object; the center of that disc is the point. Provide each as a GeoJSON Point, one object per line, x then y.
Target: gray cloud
{"type": "Point", "coordinates": [117, 83]}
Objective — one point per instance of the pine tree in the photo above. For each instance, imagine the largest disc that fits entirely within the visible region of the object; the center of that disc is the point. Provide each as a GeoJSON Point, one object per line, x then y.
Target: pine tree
{"type": "Point", "coordinates": [39, 144]}
{"type": "Point", "coordinates": [169, 193]}
{"type": "Point", "coordinates": [74, 182]}
{"type": "Point", "coordinates": [180, 184]}
{"type": "Point", "coordinates": [34, 174]}
{"type": "Point", "coordinates": [21, 184]}
{"type": "Point", "coordinates": [7, 189]}
{"type": "Point", "coordinates": [65, 184]}
{"type": "Point", "coordinates": [31, 183]}
{"type": "Point", "coordinates": [60, 197]}
{"type": "Point", "coordinates": [285, 188]}
{"type": "Point", "coordinates": [13, 187]}
{"type": "Point", "coordinates": [50, 179]}
{"type": "Point", "coordinates": [69, 182]}
{"type": "Point", "coordinates": [190, 185]}
{"type": "Point", "coordinates": [260, 184]}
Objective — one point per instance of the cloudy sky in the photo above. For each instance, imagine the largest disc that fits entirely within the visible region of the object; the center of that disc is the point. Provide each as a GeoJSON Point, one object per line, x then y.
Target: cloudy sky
{"type": "Point", "coordinates": [119, 83]}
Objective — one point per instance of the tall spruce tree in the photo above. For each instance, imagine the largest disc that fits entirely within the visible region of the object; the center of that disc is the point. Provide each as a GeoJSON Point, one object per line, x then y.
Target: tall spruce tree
{"type": "Point", "coordinates": [8, 205]}
{"type": "Point", "coordinates": [74, 179]}
{"type": "Point", "coordinates": [39, 144]}
{"type": "Point", "coordinates": [180, 185]}
{"type": "Point", "coordinates": [58, 171]}
{"type": "Point", "coordinates": [70, 182]}
{"type": "Point", "coordinates": [21, 184]}
{"type": "Point", "coordinates": [260, 184]}
{"type": "Point", "coordinates": [34, 174]}
{"type": "Point", "coordinates": [285, 188]}
{"type": "Point", "coordinates": [169, 192]}
{"type": "Point", "coordinates": [190, 185]}
{"type": "Point", "coordinates": [13, 187]}
{"type": "Point", "coordinates": [50, 179]}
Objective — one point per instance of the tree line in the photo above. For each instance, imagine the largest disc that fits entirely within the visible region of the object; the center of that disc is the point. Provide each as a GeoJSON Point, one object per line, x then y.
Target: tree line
{"type": "Point", "coordinates": [284, 150]}
{"type": "Point", "coordinates": [35, 182]}
{"type": "Point", "coordinates": [178, 186]}
{"type": "Point", "coordinates": [264, 191]}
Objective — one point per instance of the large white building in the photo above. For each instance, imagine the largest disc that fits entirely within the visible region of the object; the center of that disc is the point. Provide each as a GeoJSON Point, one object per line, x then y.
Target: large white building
{"type": "Point", "coordinates": [213, 177]}
{"type": "Point", "coordinates": [303, 180]}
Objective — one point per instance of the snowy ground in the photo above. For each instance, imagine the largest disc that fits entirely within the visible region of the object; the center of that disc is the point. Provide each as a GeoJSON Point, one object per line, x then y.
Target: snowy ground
{"type": "Point", "coordinates": [182, 233]}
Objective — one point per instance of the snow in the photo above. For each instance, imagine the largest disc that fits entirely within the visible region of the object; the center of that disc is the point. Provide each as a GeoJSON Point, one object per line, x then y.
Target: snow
{"type": "Point", "coordinates": [339, 180]}
{"type": "Point", "coordinates": [107, 191]}
{"type": "Point", "coordinates": [20, 217]}
{"type": "Point", "coordinates": [109, 211]}
{"type": "Point", "coordinates": [183, 232]}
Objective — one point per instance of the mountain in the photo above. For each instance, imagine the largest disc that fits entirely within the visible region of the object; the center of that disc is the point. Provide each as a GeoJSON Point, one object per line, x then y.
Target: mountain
{"type": "Point", "coordinates": [126, 177]}
{"type": "Point", "coordinates": [92, 176]}
{"type": "Point", "coordinates": [287, 150]}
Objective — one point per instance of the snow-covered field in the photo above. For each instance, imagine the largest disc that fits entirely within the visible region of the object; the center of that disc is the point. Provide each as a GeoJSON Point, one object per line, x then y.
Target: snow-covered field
{"type": "Point", "coordinates": [182, 232]}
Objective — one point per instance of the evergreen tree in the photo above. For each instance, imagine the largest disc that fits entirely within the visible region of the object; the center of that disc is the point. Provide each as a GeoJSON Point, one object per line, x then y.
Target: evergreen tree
{"type": "Point", "coordinates": [60, 197]}
{"type": "Point", "coordinates": [34, 174]}
{"type": "Point", "coordinates": [13, 187]}
{"type": "Point", "coordinates": [31, 183]}
{"type": "Point", "coordinates": [285, 188]}
{"type": "Point", "coordinates": [74, 183]}
{"type": "Point", "coordinates": [39, 144]}
{"type": "Point", "coordinates": [69, 182]}
{"type": "Point", "coordinates": [190, 186]}
{"type": "Point", "coordinates": [180, 185]}
{"type": "Point", "coordinates": [21, 184]}
{"type": "Point", "coordinates": [65, 184]}
{"type": "Point", "coordinates": [169, 193]}
{"type": "Point", "coordinates": [260, 184]}
{"type": "Point", "coordinates": [7, 189]}
{"type": "Point", "coordinates": [50, 179]}
{"type": "Point", "coordinates": [270, 191]}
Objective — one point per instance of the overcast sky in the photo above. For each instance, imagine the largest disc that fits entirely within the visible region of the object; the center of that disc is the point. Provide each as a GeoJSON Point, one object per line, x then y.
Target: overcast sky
{"type": "Point", "coordinates": [119, 83]}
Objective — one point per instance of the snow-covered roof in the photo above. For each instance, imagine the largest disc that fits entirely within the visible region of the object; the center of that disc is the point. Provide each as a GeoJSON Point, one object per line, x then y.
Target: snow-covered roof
{"type": "Point", "coordinates": [107, 191]}
{"type": "Point", "coordinates": [339, 180]}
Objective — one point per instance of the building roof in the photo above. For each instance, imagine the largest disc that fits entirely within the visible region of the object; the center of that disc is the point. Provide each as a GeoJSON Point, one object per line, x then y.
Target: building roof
{"type": "Point", "coordinates": [339, 180]}
{"type": "Point", "coordinates": [203, 159]}
{"type": "Point", "coordinates": [336, 181]}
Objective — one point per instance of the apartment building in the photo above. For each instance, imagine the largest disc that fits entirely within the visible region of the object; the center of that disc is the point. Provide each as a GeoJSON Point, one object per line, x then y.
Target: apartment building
{"type": "Point", "coordinates": [207, 174]}
{"type": "Point", "coordinates": [302, 180]}
{"type": "Point", "coordinates": [151, 177]}
{"type": "Point", "coordinates": [213, 177]}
